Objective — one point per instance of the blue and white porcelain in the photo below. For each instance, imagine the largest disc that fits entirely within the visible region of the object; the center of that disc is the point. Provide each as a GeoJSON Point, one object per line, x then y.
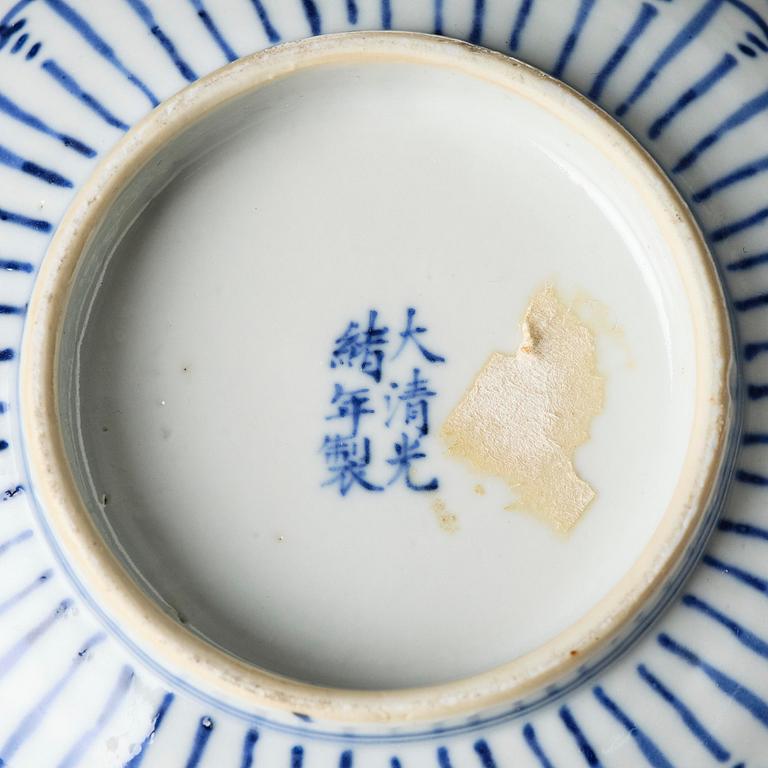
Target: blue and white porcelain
{"type": "Point", "coordinates": [416, 191]}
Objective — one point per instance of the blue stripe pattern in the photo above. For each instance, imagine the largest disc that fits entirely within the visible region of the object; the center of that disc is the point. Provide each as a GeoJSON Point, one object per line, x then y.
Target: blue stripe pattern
{"type": "Point", "coordinates": [345, 759]}
{"type": "Point", "coordinates": [521, 19]}
{"type": "Point", "coordinates": [13, 160]}
{"type": "Point", "coordinates": [694, 725]}
{"type": "Point", "coordinates": [737, 227]}
{"type": "Point", "coordinates": [313, 16]}
{"type": "Point", "coordinates": [438, 26]}
{"type": "Point", "coordinates": [754, 438]}
{"type": "Point", "coordinates": [272, 34]}
{"type": "Point", "coordinates": [478, 18]}
{"type": "Point", "coordinates": [17, 598]}
{"type": "Point", "coordinates": [249, 745]}
{"type": "Point", "coordinates": [690, 95]}
{"type": "Point", "coordinates": [200, 742]}
{"type": "Point", "coordinates": [748, 262]}
{"type": "Point", "coordinates": [582, 14]}
{"type": "Point", "coordinates": [20, 537]}
{"type": "Point", "coordinates": [32, 719]}
{"type": "Point", "coordinates": [483, 751]}
{"type": "Point", "coordinates": [740, 174]}
{"type": "Point", "coordinates": [68, 82]}
{"type": "Point", "coordinates": [443, 758]}
{"type": "Point", "coordinates": [12, 265]}
{"type": "Point", "coordinates": [157, 721]}
{"type": "Point", "coordinates": [38, 225]}
{"type": "Point", "coordinates": [352, 11]}
{"type": "Point", "coordinates": [750, 478]}
{"type": "Point", "coordinates": [645, 15]}
{"type": "Point", "coordinates": [529, 734]}
{"type": "Point", "coordinates": [745, 577]}
{"type": "Point", "coordinates": [19, 44]}
{"type": "Point", "coordinates": [85, 742]}
{"type": "Point", "coordinates": [650, 751]}
{"type": "Point", "coordinates": [386, 14]}
{"type": "Point", "coordinates": [743, 529]}
{"type": "Point", "coordinates": [586, 749]}
{"type": "Point", "coordinates": [750, 701]}
{"type": "Point", "coordinates": [14, 111]}
{"type": "Point", "coordinates": [33, 51]}
{"type": "Point", "coordinates": [674, 48]}
{"type": "Point", "coordinates": [213, 29]}
{"type": "Point", "coordinates": [143, 11]}
{"type": "Point", "coordinates": [297, 756]}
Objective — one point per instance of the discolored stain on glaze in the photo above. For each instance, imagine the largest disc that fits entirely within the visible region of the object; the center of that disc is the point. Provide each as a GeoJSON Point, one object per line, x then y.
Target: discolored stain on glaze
{"type": "Point", "coordinates": [447, 521]}
{"type": "Point", "coordinates": [526, 413]}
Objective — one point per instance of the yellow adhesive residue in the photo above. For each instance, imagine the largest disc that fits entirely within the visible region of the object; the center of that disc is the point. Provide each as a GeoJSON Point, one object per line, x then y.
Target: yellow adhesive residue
{"type": "Point", "coordinates": [445, 519]}
{"type": "Point", "coordinates": [526, 413]}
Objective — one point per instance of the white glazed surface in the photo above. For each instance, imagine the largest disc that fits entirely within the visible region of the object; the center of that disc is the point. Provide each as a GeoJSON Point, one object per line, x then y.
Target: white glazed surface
{"type": "Point", "coordinates": [729, 721]}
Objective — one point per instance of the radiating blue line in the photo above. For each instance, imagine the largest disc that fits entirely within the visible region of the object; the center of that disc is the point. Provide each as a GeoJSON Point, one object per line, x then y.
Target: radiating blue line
{"type": "Point", "coordinates": [345, 759]}
{"type": "Point", "coordinates": [71, 86]}
{"type": "Point", "coordinates": [443, 758]}
{"type": "Point", "coordinates": [571, 41]}
{"type": "Point", "coordinates": [17, 113]}
{"type": "Point", "coordinates": [689, 32]}
{"type": "Point", "coordinates": [12, 309]}
{"type": "Point", "coordinates": [6, 355]}
{"type": "Point", "coordinates": [38, 225]}
{"type": "Point", "coordinates": [313, 16]}
{"type": "Point", "coordinates": [19, 44]}
{"type": "Point", "coordinates": [395, 763]}
{"type": "Point", "coordinates": [12, 160]}
{"type": "Point", "coordinates": [644, 17]}
{"type": "Point", "coordinates": [529, 734]}
{"type": "Point", "coordinates": [741, 633]}
{"type": "Point", "coordinates": [144, 12]}
{"type": "Point", "coordinates": [272, 34]}
{"type": "Point", "coordinates": [7, 32]}
{"type": "Point", "coordinates": [204, 730]}
{"type": "Point", "coordinates": [483, 751]}
{"type": "Point", "coordinates": [736, 119]}
{"type": "Point", "coordinates": [744, 305]}
{"type": "Point", "coordinates": [745, 49]}
{"type": "Point", "coordinates": [523, 12]}
{"type": "Point", "coordinates": [754, 438]}
{"type": "Point", "coordinates": [736, 227]}
{"type": "Point", "coordinates": [740, 174]}
{"type": "Point", "coordinates": [745, 577]}
{"type": "Point", "coordinates": [249, 745]}
{"type": "Point", "coordinates": [157, 721]}
{"type": "Point", "coordinates": [213, 29]}
{"type": "Point", "coordinates": [24, 535]}
{"type": "Point", "coordinates": [690, 95]}
{"type": "Point", "coordinates": [751, 478]}
{"type": "Point", "coordinates": [743, 529]}
{"type": "Point", "coordinates": [748, 262]}
{"type": "Point", "coordinates": [694, 725]}
{"type": "Point", "coordinates": [32, 719]}
{"type": "Point", "coordinates": [650, 751]}
{"type": "Point", "coordinates": [586, 749]}
{"type": "Point", "coordinates": [89, 34]}
{"type": "Point", "coordinates": [3, 406]}
{"type": "Point", "coordinates": [12, 12]}
{"type": "Point", "coordinates": [33, 51]}
{"type": "Point", "coordinates": [84, 743]}
{"type": "Point", "coordinates": [297, 756]}
{"type": "Point", "coordinates": [438, 28]}
{"type": "Point", "coordinates": [4, 445]}
{"type": "Point", "coordinates": [386, 14]}
{"type": "Point", "coordinates": [12, 265]}
{"type": "Point", "coordinates": [10, 658]}
{"type": "Point", "coordinates": [755, 348]}
{"type": "Point", "coordinates": [755, 40]}
{"type": "Point", "coordinates": [13, 600]}
{"type": "Point", "coordinates": [751, 14]}
{"type": "Point", "coordinates": [736, 691]}
{"type": "Point", "coordinates": [352, 11]}
{"type": "Point", "coordinates": [478, 19]}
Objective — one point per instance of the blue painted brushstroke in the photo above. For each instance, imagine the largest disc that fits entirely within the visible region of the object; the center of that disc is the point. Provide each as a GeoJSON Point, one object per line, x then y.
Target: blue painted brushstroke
{"type": "Point", "coordinates": [13, 600]}
{"type": "Point", "coordinates": [20, 537]}
{"type": "Point", "coordinates": [755, 348]}
{"type": "Point", "coordinates": [249, 745]}
{"type": "Point", "coordinates": [758, 391]}
{"type": "Point", "coordinates": [352, 12]}
{"type": "Point", "coordinates": [6, 355]}
{"type": "Point", "coordinates": [345, 759]}
{"type": "Point", "coordinates": [736, 227]}
{"type": "Point", "coordinates": [272, 34]}
{"type": "Point", "coordinates": [438, 27]}
{"type": "Point", "coordinates": [7, 31]}
{"type": "Point", "coordinates": [745, 577]}
{"type": "Point", "coordinates": [157, 721]}
{"type": "Point", "coordinates": [736, 691]}
{"type": "Point", "coordinates": [12, 309]}
{"type": "Point", "coordinates": [17, 113]}
{"type": "Point", "coordinates": [745, 49]}
{"type": "Point", "coordinates": [523, 12]}
{"type": "Point", "coordinates": [386, 14]}
{"type": "Point", "coordinates": [33, 51]}
{"type": "Point", "coordinates": [650, 751]}
{"type": "Point", "coordinates": [85, 742]}
{"type": "Point", "coordinates": [483, 751]}
{"type": "Point", "coordinates": [478, 19]}
{"type": "Point", "coordinates": [443, 758]}
{"type": "Point", "coordinates": [690, 95]}
{"type": "Point", "coordinates": [12, 160]}
{"type": "Point", "coordinates": [19, 44]}
{"type": "Point", "coordinates": [751, 478]}
{"type": "Point", "coordinates": [13, 491]}
{"type": "Point", "coordinates": [751, 14]}
{"type": "Point", "coordinates": [313, 16]}
{"type": "Point", "coordinates": [11, 657]}
{"type": "Point", "coordinates": [63, 78]}
{"type": "Point", "coordinates": [571, 41]}
{"type": "Point", "coordinates": [3, 406]}
{"type": "Point", "coordinates": [740, 174]}
{"type": "Point", "coordinates": [32, 719]}
{"type": "Point", "coordinates": [9, 16]}
{"type": "Point", "coordinates": [204, 730]}
{"type": "Point", "coordinates": [755, 40]}
{"type": "Point", "coordinates": [691, 722]}
{"type": "Point", "coordinates": [12, 265]}
{"type": "Point", "coordinates": [743, 529]}
{"type": "Point", "coordinates": [95, 41]}
{"type": "Point", "coordinates": [4, 445]}
{"type": "Point", "coordinates": [38, 225]}
{"type": "Point", "coordinates": [690, 31]}
{"type": "Point", "coordinates": [529, 734]}
{"type": "Point", "coordinates": [213, 29]}
{"type": "Point", "coordinates": [742, 634]}
{"type": "Point", "coordinates": [753, 438]}
{"type": "Point", "coordinates": [297, 756]}
{"type": "Point", "coordinates": [144, 12]}
{"type": "Point", "coordinates": [395, 763]}
{"type": "Point", "coordinates": [586, 749]}
{"type": "Point", "coordinates": [742, 115]}
{"type": "Point", "coordinates": [645, 15]}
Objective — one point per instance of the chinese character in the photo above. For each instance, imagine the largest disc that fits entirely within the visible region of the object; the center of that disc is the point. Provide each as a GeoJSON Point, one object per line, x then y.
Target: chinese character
{"type": "Point", "coordinates": [410, 334]}
{"type": "Point", "coordinates": [406, 452]}
{"type": "Point", "coordinates": [354, 344]}
{"type": "Point", "coordinates": [350, 404]}
{"type": "Point", "coordinates": [415, 395]}
{"type": "Point", "coordinates": [347, 460]}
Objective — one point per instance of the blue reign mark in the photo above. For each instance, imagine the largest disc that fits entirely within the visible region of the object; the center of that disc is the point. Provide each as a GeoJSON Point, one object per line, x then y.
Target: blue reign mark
{"type": "Point", "coordinates": [348, 451]}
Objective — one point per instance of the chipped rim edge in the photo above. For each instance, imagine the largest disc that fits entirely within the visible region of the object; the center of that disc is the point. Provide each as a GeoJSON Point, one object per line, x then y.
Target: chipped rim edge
{"type": "Point", "coordinates": [145, 626]}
